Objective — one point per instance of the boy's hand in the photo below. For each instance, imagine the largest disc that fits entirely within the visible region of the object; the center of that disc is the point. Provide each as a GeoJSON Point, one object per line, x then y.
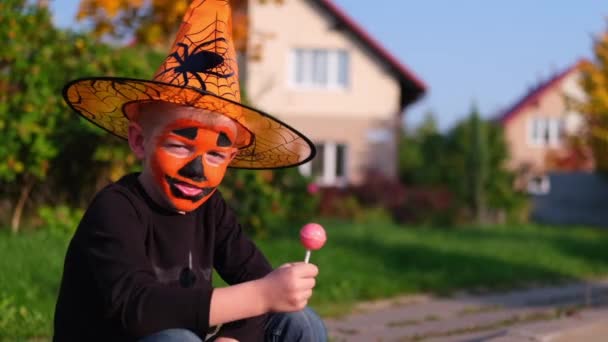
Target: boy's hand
{"type": "Point", "coordinates": [289, 287]}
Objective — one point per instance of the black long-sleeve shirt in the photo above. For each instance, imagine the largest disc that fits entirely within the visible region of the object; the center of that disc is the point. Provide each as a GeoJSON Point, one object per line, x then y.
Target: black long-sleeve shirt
{"type": "Point", "coordinates": [122, 270]}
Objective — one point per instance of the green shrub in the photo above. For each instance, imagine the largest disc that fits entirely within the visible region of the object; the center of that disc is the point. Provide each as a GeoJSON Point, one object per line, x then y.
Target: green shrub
{"type": "Point", "coordinates": [60, 219]}
{"type": "Point", "coordinates": [267, 200]}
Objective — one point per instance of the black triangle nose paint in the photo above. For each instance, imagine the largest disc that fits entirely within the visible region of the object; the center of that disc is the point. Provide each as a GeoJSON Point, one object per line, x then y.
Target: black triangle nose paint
{"type": "Point", "coordinates": [193, 170]}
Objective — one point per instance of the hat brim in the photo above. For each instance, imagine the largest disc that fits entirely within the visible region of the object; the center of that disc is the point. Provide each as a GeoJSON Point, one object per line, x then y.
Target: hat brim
{"type": "Point", "coordinates": [103, 101]}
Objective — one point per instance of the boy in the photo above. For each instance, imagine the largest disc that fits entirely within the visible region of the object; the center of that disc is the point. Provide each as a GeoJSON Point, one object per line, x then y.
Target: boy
{"type": "Point", "coordinates": [139, 265]}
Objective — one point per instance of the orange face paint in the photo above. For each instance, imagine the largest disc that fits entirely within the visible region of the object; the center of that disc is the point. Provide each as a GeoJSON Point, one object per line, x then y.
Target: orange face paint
{"type": "Point", "coordinates": [190, 161]}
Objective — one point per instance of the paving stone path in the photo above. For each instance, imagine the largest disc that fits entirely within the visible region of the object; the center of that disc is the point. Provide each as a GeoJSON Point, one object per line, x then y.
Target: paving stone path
{"type": "Point", "coordinates": [571, 312]}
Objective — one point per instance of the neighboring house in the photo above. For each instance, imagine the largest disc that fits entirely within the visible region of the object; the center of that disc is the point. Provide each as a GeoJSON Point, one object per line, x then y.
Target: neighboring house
{"type": "Point", "coordinates": [315, 68]}
{"type": "Point", "coordinates": [539, 123]}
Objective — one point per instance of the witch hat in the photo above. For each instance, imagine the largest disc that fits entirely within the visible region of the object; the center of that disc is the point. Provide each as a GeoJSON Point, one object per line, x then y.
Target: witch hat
{"type": "Point", "coordinates": [200, 71]}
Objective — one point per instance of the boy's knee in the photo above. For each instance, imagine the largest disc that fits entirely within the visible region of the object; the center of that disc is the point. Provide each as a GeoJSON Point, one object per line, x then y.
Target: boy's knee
{"type": "Point", "coordinates": [172, 335]}
{"type": "Point", "coordinates": [304, 326]}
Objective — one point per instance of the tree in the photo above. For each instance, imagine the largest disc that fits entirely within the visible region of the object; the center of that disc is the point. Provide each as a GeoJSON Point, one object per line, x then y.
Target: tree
{"type": "Point", "coordinates": [36, 126]}
{"type": "Point", "coordinates": [28, 107]}
{"type": "Point", "coordinates": [595, 108]}
{"type": "Point", "coordinates": [477, 166]}
{"type": "Point", "coordinates": [468, 161]}
{"type": "Point", "coordinates": [153, 22]}
{"type": "Point", "coordinates": [418, 150]}
{"type": "Point", "coordinates": [428, 125]}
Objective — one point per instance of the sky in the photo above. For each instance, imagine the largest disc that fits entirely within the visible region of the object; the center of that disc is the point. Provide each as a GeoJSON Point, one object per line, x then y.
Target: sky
{"type": "Point", "coordinates": [486, 52]}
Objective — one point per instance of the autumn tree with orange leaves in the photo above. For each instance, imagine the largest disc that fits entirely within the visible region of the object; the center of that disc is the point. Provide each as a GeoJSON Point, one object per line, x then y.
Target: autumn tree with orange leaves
{"type": "Point", "coordinates": [153, 22]}
{"type": "Point", "coordinates": [595, 108]}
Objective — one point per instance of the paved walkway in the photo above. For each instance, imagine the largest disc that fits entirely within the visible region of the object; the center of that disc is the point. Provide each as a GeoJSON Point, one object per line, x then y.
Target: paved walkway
{"type": "Point", "coordinates": [573, 312]}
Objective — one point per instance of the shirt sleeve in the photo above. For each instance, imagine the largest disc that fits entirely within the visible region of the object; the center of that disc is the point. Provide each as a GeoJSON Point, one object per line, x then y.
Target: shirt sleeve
{"type": "Point", "coordinates": [237, 260]}
{"type": "Point", "coordinates": [112, 236]}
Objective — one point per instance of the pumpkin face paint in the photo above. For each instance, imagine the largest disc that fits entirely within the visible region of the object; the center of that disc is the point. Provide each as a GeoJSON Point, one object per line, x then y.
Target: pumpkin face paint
{"type": "Point", "coordinates": [190, 160]}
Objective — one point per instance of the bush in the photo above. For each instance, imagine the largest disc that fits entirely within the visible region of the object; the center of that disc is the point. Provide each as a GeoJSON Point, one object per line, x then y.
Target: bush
{"type": "Point", "coordinates": [60, 219]}
{"type": "Point", "coordinates": [379, 189]}
{"type": "Point", "coordinates": [426, 206]}
{"type": "Point", "coordinates": [299, 195]}
{"type": "Point", "coordinates": [405, 204]}
{"type": "Point", "coordinates": [266, 200]}
{"type": "Point", "coordinates": [339, 203]}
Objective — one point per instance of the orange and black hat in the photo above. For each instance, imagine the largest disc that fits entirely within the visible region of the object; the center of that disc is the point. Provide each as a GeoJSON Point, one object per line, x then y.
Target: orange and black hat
{"type": "Point", "coordinates": [200, 71]}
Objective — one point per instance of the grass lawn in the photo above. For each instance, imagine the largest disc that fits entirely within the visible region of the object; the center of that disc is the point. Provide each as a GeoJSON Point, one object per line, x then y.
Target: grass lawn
{"type": "Point", "coordinates": [364, 262]}
{"type": "Point", "coordinates": [359, 262]}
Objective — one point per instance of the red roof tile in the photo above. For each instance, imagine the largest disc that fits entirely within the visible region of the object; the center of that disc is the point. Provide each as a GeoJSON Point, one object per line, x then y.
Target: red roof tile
{"type": "Point", "coordinates": [535, 94]}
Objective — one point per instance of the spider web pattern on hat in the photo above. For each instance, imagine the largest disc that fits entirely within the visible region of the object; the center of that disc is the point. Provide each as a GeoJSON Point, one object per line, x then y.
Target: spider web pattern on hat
{"type": "Point", "coordinates": [273, 145]}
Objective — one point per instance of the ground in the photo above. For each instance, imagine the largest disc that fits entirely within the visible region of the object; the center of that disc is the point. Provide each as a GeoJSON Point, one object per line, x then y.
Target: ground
{"type": "Point", "coordinates": [568, 312]}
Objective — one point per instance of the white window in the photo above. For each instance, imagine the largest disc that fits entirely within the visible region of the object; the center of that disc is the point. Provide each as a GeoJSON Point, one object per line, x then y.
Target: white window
{"type": "Point", "coordinates": [329, 165]}
{"type": "Point", "coordinates": [320, 68]}
{"type": "Point", "coordinates": [546, 131]}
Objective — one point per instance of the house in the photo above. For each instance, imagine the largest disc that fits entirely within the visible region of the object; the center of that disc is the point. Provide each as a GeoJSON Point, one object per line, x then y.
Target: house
{"type": "Point", "coordinates": [315, 68]}
{"type": "Point", "coordinates": [538, 125]}
{"type": "Point", "coordinates": [540, 130]}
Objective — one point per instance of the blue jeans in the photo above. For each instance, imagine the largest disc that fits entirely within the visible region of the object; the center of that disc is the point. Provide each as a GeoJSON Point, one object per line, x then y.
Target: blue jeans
{"type": "Point", "coordinates": [302, 326]}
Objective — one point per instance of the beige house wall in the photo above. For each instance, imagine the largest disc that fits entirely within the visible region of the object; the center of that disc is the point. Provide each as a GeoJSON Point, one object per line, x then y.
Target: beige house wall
{"type": "Point", "coordinates": [518, 129]}
{"type": "Point", "coordinates": [360, 155]}
{"type": "Point", "coordinates": [350, 115]}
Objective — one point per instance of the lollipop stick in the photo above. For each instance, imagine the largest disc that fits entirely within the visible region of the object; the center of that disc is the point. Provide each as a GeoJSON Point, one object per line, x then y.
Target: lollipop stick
{"type": "Point", "coordinates": [307, 257]}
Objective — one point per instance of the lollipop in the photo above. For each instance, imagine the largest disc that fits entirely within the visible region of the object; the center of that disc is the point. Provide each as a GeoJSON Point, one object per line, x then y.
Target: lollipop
{"type": "Point", "coordinates": [313, 237]}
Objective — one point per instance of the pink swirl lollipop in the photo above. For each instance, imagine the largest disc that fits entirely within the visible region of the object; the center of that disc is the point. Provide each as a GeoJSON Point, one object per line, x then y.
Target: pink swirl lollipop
{"type": "Point", "coordinates": [313, 237]}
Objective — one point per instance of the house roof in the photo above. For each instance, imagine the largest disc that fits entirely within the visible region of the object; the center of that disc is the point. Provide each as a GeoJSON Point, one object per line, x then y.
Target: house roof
{"type": "Point", "coordinates": [536, 93]}
{"type": "Point", "coordinates": [412, 87]}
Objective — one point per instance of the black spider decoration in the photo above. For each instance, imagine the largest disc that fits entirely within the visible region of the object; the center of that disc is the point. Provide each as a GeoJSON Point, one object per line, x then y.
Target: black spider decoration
{"type": "Point", "coordinates": [197, 62]}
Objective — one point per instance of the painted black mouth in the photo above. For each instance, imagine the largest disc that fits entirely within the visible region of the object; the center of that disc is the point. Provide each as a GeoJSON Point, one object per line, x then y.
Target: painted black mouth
{"type": "Point", "coordinates": [178, 193]}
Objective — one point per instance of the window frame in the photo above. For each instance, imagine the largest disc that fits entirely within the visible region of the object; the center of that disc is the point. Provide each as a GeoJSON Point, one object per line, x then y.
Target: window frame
{"type": "Point", "coordinates": [329, 168]}
{"type": "Point", "coordinates": [545, 131]}
{"type": "Point", "coordinates": [302, 69]}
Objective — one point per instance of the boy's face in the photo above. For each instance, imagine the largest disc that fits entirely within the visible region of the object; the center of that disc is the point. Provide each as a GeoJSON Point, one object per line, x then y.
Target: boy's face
{"type": "Point", "coordinates": [187, 156]}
